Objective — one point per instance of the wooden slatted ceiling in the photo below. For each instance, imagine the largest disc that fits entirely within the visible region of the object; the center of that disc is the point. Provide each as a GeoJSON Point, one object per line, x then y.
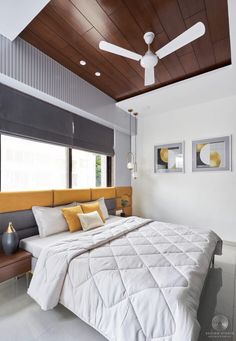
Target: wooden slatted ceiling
{"type": "Point", "coordinates": [70, 31]}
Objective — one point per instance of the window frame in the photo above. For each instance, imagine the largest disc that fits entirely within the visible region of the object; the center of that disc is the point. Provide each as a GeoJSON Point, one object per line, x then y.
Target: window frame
{"type": "Point", "coordinates": [68, 165]}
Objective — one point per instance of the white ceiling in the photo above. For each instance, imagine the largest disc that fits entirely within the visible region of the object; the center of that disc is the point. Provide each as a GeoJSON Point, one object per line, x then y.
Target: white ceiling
{"type": "Point", "coordinates": [203, 88]}
{"type": "Point", "coordinates": [15, 15]}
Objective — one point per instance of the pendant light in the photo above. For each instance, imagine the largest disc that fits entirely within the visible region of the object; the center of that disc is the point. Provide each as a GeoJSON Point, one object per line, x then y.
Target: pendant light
{"type": "Point", "coordinates": [135, 169]}
{"type": "Point", "coordinates": [130, 155]}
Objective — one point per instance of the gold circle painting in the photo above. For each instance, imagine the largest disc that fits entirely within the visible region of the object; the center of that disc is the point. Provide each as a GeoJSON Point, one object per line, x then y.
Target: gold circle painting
{"type": "Point", "coordinates": [164, 154]}
{"type": "Point", "coordinates": [199, 146]}
{"type": "Point", "coordinates": [215, 159]}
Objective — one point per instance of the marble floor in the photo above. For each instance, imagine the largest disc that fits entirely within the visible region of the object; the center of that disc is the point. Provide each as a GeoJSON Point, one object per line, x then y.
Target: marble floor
{"type": "Point", "coordinates": [22, 320]}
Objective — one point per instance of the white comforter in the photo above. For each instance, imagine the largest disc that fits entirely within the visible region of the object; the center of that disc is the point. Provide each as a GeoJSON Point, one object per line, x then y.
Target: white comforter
{"type": "Point", "coordinates": [132, 280]}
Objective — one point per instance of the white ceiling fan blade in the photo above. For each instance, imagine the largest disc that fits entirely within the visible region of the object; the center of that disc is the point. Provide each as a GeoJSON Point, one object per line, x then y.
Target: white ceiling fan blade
{"type": "Point", "coordinates": [149, 76]}
{"type": "Point", "coordinates": [183, 39]}
{"type": "Point", "coordinates": [103, 45]}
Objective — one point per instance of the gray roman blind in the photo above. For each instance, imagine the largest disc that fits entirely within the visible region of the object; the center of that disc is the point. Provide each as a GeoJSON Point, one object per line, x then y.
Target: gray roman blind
{"type": "Point", "coordinates": [27, 116]}
{"type": "Point", "coordinates": [91, 136]}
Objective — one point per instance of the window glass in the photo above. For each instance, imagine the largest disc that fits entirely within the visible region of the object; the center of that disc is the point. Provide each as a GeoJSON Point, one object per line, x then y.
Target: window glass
{"type": "Point", "coordinates": [30, 165]}
{"type": "Point", "coordinates": [88, 169]}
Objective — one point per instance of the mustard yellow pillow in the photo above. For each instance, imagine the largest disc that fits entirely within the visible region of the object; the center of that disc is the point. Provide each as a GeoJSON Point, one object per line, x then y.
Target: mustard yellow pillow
{"type": "Point", "coordinates": [71, 217]}
{"type": "Point", "coordinates": [91, 207]}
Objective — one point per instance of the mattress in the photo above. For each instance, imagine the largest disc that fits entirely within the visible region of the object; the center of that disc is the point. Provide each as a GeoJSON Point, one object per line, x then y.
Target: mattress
{"type": "Point", "coordinates": [36, 244]}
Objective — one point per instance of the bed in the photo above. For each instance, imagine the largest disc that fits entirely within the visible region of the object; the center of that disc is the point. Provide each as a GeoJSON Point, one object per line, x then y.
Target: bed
{"type": "Point", "coordinates": [133, 278]}
{"type": "Point", "coordinates": [35, 244]}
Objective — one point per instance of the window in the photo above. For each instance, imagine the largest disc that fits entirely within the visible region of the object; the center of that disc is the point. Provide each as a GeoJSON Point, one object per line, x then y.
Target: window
{"type": "Point", "coordinates": [30, 165]}
{"type": "Point", "coordinates": [88, 169]}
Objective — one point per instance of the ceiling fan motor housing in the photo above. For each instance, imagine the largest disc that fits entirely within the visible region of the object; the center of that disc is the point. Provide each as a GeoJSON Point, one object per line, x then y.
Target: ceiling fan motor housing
{"type": "Point", "coordinates": [149, 60]}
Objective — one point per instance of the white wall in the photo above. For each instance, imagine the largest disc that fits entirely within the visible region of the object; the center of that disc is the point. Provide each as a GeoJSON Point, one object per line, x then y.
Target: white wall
{"type": "Point", "coordinates": [15, 15]}
{"type": "Point", "coordinates": [205, 199]}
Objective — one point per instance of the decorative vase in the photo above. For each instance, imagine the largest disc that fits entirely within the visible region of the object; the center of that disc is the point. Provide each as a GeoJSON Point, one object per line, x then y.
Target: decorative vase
{"type": "Point", "coordinates": [10, 240]}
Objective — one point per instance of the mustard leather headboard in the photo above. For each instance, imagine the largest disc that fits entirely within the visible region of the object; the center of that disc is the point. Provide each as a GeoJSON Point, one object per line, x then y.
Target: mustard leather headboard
{"type": "Point", "coordinates": [19, 201]}
{"type": "Point", "coordinates": [65, 196]}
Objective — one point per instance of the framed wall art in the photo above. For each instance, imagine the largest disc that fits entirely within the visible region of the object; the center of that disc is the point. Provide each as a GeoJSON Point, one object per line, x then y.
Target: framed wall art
{"type": "Point", "coordinates": [169, 158]}
{"type": "Point", "coordinates": [211, 154]}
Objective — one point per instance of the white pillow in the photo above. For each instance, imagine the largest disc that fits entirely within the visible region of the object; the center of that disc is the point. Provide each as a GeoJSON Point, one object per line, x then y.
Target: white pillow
{"type": "Point", "coordinates": [50, 220]}
{"type": "Point", "coordinates": [90, 220]}
{"type": "Point", "coordinates": [103, 207]}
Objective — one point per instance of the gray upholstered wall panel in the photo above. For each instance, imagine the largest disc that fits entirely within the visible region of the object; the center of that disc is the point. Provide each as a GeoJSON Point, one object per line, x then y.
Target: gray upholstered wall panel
{"type": "Point", "coordinates": [111, 206]}
{"type": "Point", "coordinates": [23, 222]}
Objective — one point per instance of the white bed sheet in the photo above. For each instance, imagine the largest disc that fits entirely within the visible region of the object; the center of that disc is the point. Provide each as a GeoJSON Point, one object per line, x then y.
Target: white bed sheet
{"type": "Point", "coordinates": [36, 244]}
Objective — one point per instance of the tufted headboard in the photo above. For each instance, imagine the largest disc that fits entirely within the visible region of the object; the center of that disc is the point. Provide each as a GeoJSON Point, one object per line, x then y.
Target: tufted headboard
{"type": "Point", "coordinates": [16, 206]}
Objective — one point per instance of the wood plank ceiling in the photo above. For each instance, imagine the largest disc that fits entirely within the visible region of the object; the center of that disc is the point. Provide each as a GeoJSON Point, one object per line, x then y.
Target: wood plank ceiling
{"type": "Point", "coordinates": [70, 30]}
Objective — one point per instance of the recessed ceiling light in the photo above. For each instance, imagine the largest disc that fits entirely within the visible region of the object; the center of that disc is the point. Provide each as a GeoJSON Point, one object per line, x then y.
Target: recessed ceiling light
{"type": "Point", "coordinates": [98, 74]}
{"type": "Point", "coordinates": [82, 62]}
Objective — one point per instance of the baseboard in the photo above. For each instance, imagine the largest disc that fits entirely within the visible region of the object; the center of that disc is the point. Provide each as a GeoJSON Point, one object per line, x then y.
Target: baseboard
{"type": "Point", "coordinates": [226, 242]}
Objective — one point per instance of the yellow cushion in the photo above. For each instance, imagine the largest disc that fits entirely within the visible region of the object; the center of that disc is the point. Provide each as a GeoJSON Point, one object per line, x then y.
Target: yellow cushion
{"type": "Point", "coordinates": [70, 214]}
{"type": "Point", "coordinates": [91, 207]}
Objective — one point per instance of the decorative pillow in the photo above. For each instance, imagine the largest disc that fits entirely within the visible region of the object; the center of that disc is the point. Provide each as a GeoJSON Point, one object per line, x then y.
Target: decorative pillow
{"type": "Point", "coordinates": [102, 205]}
{"type": "Point", "coordinates": [50, 220]}
{"type": "Point", "coordinates": [71, 216]}
{"type": "Point", "coordinates": [90, 220]}
{"type": "Point", "coordinates": [103, 208]}
{"type": "Point", "coordinates": [91, 207]}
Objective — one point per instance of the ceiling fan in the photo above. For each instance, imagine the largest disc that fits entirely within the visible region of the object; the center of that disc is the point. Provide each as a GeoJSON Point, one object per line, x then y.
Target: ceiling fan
{"type": "Point", "coordinates": [150, 59]}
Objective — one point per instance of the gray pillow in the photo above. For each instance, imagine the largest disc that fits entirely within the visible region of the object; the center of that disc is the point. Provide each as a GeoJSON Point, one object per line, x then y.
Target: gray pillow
{"type": "Point", "coordinates": [50, 220]}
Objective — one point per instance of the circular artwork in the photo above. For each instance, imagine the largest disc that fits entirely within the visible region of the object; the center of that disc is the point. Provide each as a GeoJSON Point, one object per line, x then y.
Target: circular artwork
{"type": "Point", "coordinates": [208, 156]}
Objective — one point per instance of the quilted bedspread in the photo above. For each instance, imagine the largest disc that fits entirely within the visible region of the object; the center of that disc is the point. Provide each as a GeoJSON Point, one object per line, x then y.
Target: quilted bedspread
{"type": "Point", "coordinates": [134, 280]}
